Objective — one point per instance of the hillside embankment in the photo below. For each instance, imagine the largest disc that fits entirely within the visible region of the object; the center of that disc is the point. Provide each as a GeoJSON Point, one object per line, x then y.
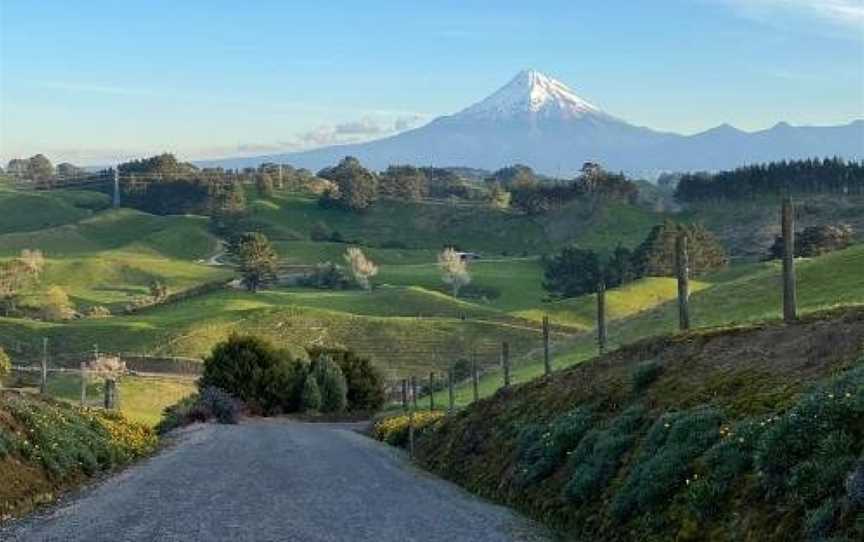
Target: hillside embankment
{"type": "Point", "coordinates": [750, 433]}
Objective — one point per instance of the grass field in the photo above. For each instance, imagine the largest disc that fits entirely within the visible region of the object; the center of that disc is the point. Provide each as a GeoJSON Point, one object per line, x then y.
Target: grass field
{"type": "Point", "coordinates": [409, 323]}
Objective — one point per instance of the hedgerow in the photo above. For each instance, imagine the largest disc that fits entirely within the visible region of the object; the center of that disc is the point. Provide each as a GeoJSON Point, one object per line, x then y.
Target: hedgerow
{"type": "Point", "coordinates": [394, 430]}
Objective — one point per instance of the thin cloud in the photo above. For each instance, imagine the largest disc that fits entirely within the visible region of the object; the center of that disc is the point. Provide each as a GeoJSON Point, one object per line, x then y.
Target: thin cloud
{"type": "Point", "coordinates": [843, 13]}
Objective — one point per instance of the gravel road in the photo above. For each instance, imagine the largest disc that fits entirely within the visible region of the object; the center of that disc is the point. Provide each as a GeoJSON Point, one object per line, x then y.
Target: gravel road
{"type": "Point", "coordinates": [272, 480]}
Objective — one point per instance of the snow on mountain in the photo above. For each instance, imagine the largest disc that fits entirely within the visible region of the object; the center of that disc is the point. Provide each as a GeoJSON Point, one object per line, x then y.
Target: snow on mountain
{"type": "Point", "coordinates": [539, 121]}
{"type": "Point", "coordinates": [533, 93]}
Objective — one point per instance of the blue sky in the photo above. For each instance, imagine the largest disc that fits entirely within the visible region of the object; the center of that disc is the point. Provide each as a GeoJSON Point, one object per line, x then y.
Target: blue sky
{"type": "Point", "coordinates": [98, 81]}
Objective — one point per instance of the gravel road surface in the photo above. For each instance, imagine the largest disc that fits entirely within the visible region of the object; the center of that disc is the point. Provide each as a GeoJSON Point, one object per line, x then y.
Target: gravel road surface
{"type": "Point", "coordinates": [269, 480]}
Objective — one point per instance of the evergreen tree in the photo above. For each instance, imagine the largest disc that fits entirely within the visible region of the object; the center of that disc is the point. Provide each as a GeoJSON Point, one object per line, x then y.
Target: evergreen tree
{"type": "Point", "coordinates": [310, 397]}
{"type": "Point", "coordinates": [355, 186]}
{"type": "Point", "coordinates": [331, 382]}
{"type": "Point", "coordinates": [256, 259]}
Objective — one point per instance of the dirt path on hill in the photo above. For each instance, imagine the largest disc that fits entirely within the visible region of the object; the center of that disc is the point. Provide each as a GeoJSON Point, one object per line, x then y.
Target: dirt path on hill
{"type": "Point", "coordinates": [274, 480]}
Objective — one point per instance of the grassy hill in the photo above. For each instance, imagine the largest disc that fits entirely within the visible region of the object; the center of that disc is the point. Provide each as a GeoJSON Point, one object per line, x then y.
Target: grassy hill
{"type": "Point", "coordinates": [749, 433]}
{"type": "Point", "coordinates": [740, 295]}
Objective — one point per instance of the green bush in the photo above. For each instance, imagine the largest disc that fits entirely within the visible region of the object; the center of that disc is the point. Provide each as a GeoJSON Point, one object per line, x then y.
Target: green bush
{"type": "Point", "coordinates": [331, 383]}
{"type": "Point", "coordinates": [310, 398]}
{"type": "Point", "coordinates": [254, 371]}
{"type": "Point", "coordinates": [645, 374]}
{"type": "Point", "coordinates": [5, 363]}
{"type": "Point", "coordinates": [598, 457]}
{"type": "Point", "coordinates": [806, 453]}
{"type": "Point", "coordinates": [664, 459]}
{"type": "Point", "coordinates": [366, 386]}
{"type": "Point", "coordinates": [542, 449]}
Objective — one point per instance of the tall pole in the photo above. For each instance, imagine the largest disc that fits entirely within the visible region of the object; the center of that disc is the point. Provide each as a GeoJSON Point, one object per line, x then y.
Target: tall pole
{"type": "Point", "coordinates": [116, 200]}
{"type": "Point", "coordinates": [547, 364]}
{"type": "Point", "coordinates": [790, 301]}
{"type": "Point", "coordinates": [280, 176]}
{"type": "Point", "coordinates": [451, 399]}
{"type": "Point", "coordinates": [475, 379]}
{"type": "Point", "coordinates": [683, 270]}
{"type": "Point", "coordinates": [601, 317]}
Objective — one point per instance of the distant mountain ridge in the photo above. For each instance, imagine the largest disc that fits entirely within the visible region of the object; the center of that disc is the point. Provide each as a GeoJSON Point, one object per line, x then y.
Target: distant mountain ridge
{"type": "Point", "coordinates": [539, 121]}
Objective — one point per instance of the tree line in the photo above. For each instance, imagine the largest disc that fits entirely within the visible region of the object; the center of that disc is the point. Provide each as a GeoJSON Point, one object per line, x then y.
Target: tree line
{"type": "Point", "coordinates": [812, 176]}
{"type": "Point", "coordinates": [578, 271]}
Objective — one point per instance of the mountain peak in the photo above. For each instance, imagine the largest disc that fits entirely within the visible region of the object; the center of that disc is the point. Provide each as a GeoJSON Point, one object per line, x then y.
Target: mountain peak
{"type": "Point", "coordinates": [533, 93]}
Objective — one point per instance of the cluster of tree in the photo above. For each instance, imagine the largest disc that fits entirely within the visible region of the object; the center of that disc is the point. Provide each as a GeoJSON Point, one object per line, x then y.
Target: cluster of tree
{"type": "Point", "coordinates": [815, 241]}
{"type": "Point", "coordinates": [37, 168]}
{"type": "Point", "coordinates": [814, 176]}
{"type": "Point", "coordinates": [533, 194]}
{"type": "Point", "coordinates": [23, 274]}
{"type": "Point", "coordinates": [273, 381]}
{"type": "Point", "coordinates": [331, 276]}
{"type": "Point", "coordinates": [577, 271]}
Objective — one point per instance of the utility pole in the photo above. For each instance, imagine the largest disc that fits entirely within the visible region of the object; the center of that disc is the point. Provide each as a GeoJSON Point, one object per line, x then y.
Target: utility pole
{"type": "Point", "coordinates": [116, 200]}
{"type": "Point", "coordinates": [790, 296]}
{"type": "Point", "coordinates": [280, 176]}
{"type": "Point", "coordinates": [505, 362]}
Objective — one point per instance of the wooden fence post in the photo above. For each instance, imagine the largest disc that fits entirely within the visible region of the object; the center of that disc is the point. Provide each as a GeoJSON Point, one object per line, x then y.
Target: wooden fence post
{"type": "Point", "coordinates": [601, 317]}
{"type": "Point", "coordinates": [110, 393]}
{"type": "Point", "coordinates": [547, 364]}
{"type": "Point", "coordinates": [43, 382]}
{"type": "Point", "coordinates": [431, 390]}
{"type": "Point", "coordinates": [475, 379]}
{"type": "Point", "coordinates": [414, 391]}
{"type": "Point", "coordinates": [404, 394]}
{"type": "Point", "coordinates": [505, 362]}
{"type": "Point", "coordinates": [790, 301]}
{"type": "Point", "coordinates": [83, 383]}
{"type": "Point", "coordinates": [450, 396]}
{"type": "Point", "coordinates": [682, 266]}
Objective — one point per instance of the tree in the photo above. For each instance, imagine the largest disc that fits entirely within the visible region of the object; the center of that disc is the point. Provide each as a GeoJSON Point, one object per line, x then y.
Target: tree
{"type": "Point", "coordinates": [362, 268]}
{"type": "Point", "coordinates": [256, 372]}
{"type": "Point", "coordinates": [65, 169]}
{"type": "Point", "coordinates": [498, 197]}
{"type": "Point", "coordinates": [366, 386]}
{"type": "Point", "coordinates": [573, 272]}
{"type": "Point", "coordinates": [454, 269]}
{"type": "Point", "coordinates": [17, 274]}
{"type": "Point", "coordinates": [656, 255]}
{"type": "Point", "coordinates": [404, 182]}
{"type": "Point", "coordinates": [264, 184]}
{"type": "Point", "coordinates": [310, 397]}
{"type": "Point", "coordinates": [256, 259]}
{"type": "Point", "coordinates": [56, 305]}
{"type": "Point", "coordinates": [815, 241]}
{"type": "Point", "coordinates": [33, 261]}
{"type": "Point", "coordinates": [332, 385]}
{"type": "Point", "coordinates": [39, 167]}
{"type": "Point", "coordinates": [355, 186]}
{"type": "Point", "coordinates": [17, 167]}
{"type": "Point", "coordinates": [327, 276]}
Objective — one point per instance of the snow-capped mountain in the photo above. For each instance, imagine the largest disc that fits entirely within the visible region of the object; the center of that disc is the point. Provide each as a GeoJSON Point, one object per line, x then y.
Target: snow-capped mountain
{"type": "Point", "coordinates": [539, 121]}
{"type": "Point", "coordinates": [533, 94]}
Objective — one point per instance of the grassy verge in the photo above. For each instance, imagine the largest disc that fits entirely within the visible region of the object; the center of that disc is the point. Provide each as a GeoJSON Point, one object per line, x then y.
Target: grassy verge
{"type": "Point", "coordinates": [47, 447]}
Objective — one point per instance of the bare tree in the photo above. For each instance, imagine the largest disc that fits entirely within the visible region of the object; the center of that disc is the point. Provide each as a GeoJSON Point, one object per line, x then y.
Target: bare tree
{"type": "Point", "coordinates": [454, 269]}
{"type": "Point", "coordinates": [362, 268]}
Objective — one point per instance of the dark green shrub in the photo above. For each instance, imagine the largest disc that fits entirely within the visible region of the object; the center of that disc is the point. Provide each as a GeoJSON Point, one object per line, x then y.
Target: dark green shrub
{"type": "Point", "coordinates": [664, 460]}
{"type": "Point", "coordinates": [366, 386]}
{"type": "Point", "coordinates": [254, 371]}
{"type": "Point", "coordinates": [310, 399]}
{"type": "Point", "coordinates": [598, 456]}
{"type": "Point", "coordinates": [645, 374]}
{"type": "Point", "coordinates": [221, 405]}
{"type": "Point", "coordinates": [723, 463]}
{"type": "Point", "coordinates": [803, 452]}
{"type": "Point", "coordinates": [855, 486]}
{"type": "Point", "coordinates": [542, 450]}
{"type": "Point", "coordinates": [820, 521]}
{"type": "Point", "coordinates": [176, 415]}
{"type": "Point", "coordinates": [331, 383]}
